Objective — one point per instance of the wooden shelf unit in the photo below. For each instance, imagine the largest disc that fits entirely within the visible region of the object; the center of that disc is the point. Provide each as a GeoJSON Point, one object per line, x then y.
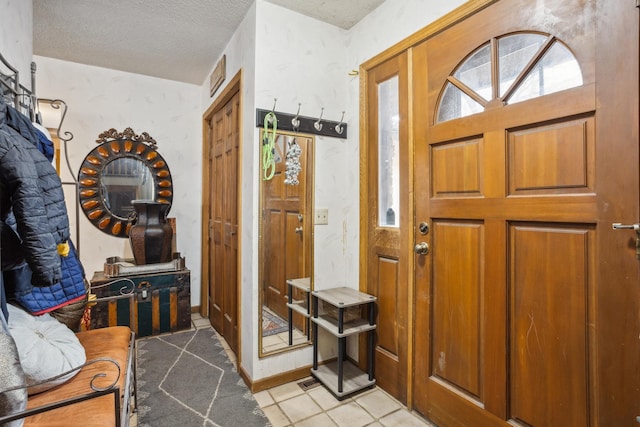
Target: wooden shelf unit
{"type": "Point", "coordinates": [342, 377]}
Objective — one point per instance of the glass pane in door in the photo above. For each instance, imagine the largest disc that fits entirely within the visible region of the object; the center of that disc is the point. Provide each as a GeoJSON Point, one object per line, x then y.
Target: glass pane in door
{"type": "Point", "coordinates": [388, 153]}
{"type": "Point", "coordinates": [558, 70]}
{"type": "Point", "coordinates": [475, 72]}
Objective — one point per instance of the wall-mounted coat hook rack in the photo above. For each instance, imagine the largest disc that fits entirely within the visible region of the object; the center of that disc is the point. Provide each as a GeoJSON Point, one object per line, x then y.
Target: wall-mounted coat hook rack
{"type": "Point", "coordinates": [307, 125]}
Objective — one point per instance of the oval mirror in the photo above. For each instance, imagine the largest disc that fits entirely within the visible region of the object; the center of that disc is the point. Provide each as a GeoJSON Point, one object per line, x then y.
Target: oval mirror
{"type": "Point", "coordinates": [124, 167]}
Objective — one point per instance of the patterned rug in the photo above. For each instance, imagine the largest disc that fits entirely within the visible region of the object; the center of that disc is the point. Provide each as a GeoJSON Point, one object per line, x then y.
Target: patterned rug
{"type": "Point", "coordinates": [272, 324]}
{"type": "Point", "coordinates": [186, 379]}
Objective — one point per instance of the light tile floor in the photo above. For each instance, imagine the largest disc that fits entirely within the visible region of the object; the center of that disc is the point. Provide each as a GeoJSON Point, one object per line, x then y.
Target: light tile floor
{"type": "Point", "coordinates": [281, 340]}
{"type": "Point", "coordinates": [291, 405]}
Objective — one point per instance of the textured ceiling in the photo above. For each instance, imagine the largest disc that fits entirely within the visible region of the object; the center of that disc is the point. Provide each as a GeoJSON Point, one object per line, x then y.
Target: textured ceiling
{"type": "Point", "coordinates": [172, 39]}
{"type": "Point", "coordinates": [341, 13]}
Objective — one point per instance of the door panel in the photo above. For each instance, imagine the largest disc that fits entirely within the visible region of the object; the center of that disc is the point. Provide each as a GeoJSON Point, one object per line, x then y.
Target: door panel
{"type": "Point", "coordinates": [230, 216]}
{"type": "Point", "coordinates": [527, 304]}
{"type": "Point", "coordinates": [457, 289]}
{"type": "Point", "coordinates": [216, 261]}
{"type": "Point", "coordinates": [223, 235]}
{"type": "Point", "coordinates": [550, 314]}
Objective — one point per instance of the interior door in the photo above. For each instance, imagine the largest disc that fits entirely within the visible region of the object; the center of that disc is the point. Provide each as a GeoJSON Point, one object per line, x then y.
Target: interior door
{"type": "Point", "coordinates": [388, 220]}
{"type": "Point", "coordinates": [223, 230]}
{"type": "Point", "coordinates": [286, 227]}
{"type": "Point", "coordinates": [526, 152]}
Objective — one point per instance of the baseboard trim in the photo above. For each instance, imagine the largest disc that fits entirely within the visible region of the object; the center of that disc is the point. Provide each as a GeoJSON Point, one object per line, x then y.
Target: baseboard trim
{"type": "Point", "coordinates": [245, 377]}
{"type": "Point", "coordinates": [195, 309]}
{"type": "Point", "coordinates": [275, 380]}
{"type": "Point", "coordinates": [279, 379]}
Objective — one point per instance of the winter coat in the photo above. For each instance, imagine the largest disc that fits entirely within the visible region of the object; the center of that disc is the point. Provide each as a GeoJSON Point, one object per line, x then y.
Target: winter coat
{"type": "Point", "coordinates": [21, 193]}
{"type": "Point", "coordinates": [48, 178]}
{"type": "Point", "coordinates": [18, 280]}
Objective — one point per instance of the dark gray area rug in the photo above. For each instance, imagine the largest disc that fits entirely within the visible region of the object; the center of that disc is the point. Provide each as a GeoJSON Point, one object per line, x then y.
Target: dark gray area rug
{"type": "Point", "coordinates": [186, 379]}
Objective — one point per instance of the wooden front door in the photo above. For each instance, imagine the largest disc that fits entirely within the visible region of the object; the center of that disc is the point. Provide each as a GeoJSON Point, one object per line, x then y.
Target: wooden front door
{"type": "Point", "coordinates": [388, 220]}
{"type": "Point", "coordinates": [223, 217]}
{"type": "Point", "coordinates": [527, 303]}
{"type": "Point", "coordinates": [286, 225]}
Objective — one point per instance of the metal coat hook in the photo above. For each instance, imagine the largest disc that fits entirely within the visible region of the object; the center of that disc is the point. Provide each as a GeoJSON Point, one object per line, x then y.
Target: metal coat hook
{"type": "Point", "coordinates": [339, 127]}
{"type": "Point", "coordinates": [273, 110]}
{"type": "Point", "coordinates": [317, 124]}
{"type": "Point", "coordinates": [296, 120]}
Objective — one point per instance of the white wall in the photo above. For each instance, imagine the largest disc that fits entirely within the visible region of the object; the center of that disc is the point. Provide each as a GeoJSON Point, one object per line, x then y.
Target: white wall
{"type": "Point", "coordinates": [99, 99]}
{"type": "Point", "coordinates": [302, 60]}
{"type": "Point", "coordinates": [16, 37]}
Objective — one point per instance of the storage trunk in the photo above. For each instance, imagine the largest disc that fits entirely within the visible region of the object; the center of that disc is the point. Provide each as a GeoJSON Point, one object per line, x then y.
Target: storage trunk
{"type": "Point", "coordinates": [150, 303]}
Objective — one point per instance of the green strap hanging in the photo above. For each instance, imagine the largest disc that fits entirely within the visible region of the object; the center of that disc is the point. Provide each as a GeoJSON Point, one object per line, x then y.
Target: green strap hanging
{"type": "Point", "coordinates": [269, 146]}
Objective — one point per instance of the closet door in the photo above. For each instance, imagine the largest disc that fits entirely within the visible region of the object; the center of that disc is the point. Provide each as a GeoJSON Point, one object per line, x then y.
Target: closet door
{"type": "Point", "coordinates": [223, 221]}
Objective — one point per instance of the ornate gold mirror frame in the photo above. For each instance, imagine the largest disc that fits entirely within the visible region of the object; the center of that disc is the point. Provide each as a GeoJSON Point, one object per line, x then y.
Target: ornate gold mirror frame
{"type": "Point", "coordinates": [124, 167]}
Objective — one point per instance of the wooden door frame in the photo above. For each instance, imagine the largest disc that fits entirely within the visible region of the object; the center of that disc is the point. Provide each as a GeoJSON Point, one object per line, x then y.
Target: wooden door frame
{"type": "Point", "coordinates": [406, 45]}
{"type": "Point", "coordinates": [234, 87]}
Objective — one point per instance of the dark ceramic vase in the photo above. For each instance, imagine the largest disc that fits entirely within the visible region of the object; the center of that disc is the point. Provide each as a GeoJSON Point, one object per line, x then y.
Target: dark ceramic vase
{"type": "Point", "coordinates": [150, 235]}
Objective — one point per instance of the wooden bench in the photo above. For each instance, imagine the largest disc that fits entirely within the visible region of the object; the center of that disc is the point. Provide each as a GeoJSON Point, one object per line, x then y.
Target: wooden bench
{"type": "Point", "coordinates": [102, 393]}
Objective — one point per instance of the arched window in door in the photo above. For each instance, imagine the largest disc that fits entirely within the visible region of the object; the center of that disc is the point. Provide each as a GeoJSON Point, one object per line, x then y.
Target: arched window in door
{"type": "Point", "coordinates": [505, 70]}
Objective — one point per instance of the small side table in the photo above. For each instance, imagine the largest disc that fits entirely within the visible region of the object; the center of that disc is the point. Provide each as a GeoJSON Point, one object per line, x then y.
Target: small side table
{"type": "Point", "coordinates": [301, 306]}
{"type": "Point", "coordinates": [343, 377]}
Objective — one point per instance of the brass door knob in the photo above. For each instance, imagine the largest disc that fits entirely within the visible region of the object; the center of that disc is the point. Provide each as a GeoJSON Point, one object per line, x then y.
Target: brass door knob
{"type": "Point", "coordinates": [421, 248]}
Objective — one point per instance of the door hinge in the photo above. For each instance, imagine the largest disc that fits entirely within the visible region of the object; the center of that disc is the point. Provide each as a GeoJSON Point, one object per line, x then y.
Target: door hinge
{"type": "Point", "coordinates": [637, 3]}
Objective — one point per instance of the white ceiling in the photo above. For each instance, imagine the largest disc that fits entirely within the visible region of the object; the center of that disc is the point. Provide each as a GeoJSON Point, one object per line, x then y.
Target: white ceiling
{"type": "Point", "coordinates": [171, 39]}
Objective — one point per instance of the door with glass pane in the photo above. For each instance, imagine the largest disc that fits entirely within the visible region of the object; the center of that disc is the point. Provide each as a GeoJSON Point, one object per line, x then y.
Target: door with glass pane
{"type": "Point", "coordinates": [526, 152]}
{"type": "Point", "coordinates": [385, 198]}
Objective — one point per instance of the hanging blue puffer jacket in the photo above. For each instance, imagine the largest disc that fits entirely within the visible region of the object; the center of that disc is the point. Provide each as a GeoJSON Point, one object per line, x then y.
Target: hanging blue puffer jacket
{"type": "Point", "coordinates": [19, 281]}
{"type": "Point", "coordinates": [48, 179]}
{"type": "Point", "coordinates": [21, 199]}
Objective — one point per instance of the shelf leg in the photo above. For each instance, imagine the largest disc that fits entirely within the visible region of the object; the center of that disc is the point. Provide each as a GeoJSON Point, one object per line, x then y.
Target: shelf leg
{"type": "Point", "coordinates": [308, 315]}
{"type": "Point", "coordinates": [371, 345]}
{"type": "Point", "coordinates": [290, 327]}
{"type": "Point", "coordinates": [290, 293]}
{"type": "Point", "coordinates": [315, 334]}
{"type": "Point", "coordinates": [371, 355]}
{"type": "Point", "coordinates": [341, 353]}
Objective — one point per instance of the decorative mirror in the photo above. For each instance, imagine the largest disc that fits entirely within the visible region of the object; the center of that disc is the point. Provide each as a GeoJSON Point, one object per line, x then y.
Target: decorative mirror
{"type": "Point", "coordinates": [124, 167]}
{"type": "Point", "coordinates": [286, 240]}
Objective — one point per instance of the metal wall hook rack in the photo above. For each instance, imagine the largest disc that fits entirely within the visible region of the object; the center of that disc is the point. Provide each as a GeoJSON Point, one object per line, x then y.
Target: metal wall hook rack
{"type": "Point", "coordinates": [303, 124]}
